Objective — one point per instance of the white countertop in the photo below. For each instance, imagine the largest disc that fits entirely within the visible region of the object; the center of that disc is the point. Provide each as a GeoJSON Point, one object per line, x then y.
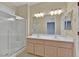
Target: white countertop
{"type": "Point", "coordinates": [52, 37]}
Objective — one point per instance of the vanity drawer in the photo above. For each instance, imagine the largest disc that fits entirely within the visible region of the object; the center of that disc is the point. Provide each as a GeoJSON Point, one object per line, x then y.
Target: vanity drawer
{"type": "Point", "coordinates": [59, 44]}
{"type": "Point", "coordinates": [51, 43]}
{"type": "Point", "coordinates": [66, 44]}
{"type": "Point", "coordinates": [39, 41]}
{"type": "Point", "coordinates": [31, 40]}
{"type": "Point", "coordinates": [36, 41]}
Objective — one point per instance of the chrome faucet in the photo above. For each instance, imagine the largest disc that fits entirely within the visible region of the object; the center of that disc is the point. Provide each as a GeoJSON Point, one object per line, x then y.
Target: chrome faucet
{"type": "Point", "coordinates": [37, 35]}
{"type": "Point", "coordinates": [55, 36]}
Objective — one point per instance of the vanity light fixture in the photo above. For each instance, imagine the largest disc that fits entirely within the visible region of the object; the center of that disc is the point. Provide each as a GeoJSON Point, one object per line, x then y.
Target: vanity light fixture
{"type": "Point", "coordinates": [35, 15]}
{"type": "Point", "coordinates": [56, 12]}
{"type": "Point", "coordinates": [39, 15]}
{"type": "Point", "coordinates": [42, 14]}
{"type": "Point", "coordinates": [60, 11]}
{"type": "Point", "coordinates": [51, 12]}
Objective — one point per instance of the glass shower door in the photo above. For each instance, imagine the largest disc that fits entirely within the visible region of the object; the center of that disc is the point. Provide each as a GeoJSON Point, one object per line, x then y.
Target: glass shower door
{"type": "Point", "coordinates": [21, 33]}
{"type": "Point", "coordinates": [4, 42]}
{"type": "Point", "coordinates": [12, 37]}
{"type": "Point", "coordinates": [16, 35]}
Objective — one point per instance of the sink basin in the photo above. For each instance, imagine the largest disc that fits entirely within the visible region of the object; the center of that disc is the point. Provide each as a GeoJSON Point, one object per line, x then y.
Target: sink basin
{"type": "Point", "coordinates": [52, 37]}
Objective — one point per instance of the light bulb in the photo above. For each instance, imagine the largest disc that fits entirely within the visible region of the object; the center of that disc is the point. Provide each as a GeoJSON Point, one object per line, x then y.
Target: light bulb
{"type": "Point", "coordinates": [51, 12]}
{"type": "Point", "coordinates": [56, 12]}
{"type": "Point", "coordinates": [41, 14]}
{"type": "Point", "coordinates": [36, 15]}
{"type": "Point", "coordinates": [60, 11]}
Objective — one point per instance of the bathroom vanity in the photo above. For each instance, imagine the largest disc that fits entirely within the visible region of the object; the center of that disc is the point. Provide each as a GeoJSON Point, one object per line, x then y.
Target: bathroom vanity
{"type": "Point", "coordinates": [50, 46]}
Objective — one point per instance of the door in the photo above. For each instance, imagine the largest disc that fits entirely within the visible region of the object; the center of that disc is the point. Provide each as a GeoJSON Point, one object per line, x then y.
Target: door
{"type": "Point", "coordinates": [30, 47]}
{"type": "Point", "coordinates": [21, 33]}
{"type": "Point", "coordinates": [39, 49]}
{"type": "Point", "coordinates": [51, 27]}
{"type": "Point", "coordinates": [65, 52]}
{"type": "Point", "coordinates": [16, 35]}
{"type": "Point", "coordinates": [12, 37]}
{"type": "Point", "coordinates": [4, 38]}
{"type": "Point", "coordinates": [50, 51]}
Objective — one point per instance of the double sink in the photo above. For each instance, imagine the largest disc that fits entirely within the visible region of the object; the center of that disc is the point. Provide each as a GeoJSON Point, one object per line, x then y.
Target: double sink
{"type": "Point", "coordinates": [52, 37]}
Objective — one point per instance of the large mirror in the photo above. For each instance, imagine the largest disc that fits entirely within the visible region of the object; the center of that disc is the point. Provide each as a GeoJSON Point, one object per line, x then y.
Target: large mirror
{"type": "Point", "coordinates": [44, 25]}
{"type": "Point", "coordinates": [35, 25]}
{"type": "Point", "coordinates": [68, 21]}
{"type": "Point", "coordinates": [50, 25]}
{"type": "Point", "coordinates": [67, 24]}
{"type": "Point", "coordinates": [53, 25]}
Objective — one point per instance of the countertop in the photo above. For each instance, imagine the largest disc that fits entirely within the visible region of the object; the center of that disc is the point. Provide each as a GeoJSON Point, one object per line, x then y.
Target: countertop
{"type": "Point", "coordinates": [52, 37]}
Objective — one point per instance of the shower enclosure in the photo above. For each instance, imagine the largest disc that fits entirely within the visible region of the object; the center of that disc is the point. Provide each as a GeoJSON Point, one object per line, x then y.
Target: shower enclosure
{"type": "Point", "coordinates": [12, 36]}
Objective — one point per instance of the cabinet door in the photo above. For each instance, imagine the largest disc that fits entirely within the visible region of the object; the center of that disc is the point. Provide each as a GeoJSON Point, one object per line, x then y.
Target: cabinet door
{"type": "Point", "coordinates": [30, 48]}
{"type": "Point", "coordinates": [50, 51]}
{"type": "Point", "coordinates": [39, 50]}
{"type": "Point", "coordinates": [65, 52]}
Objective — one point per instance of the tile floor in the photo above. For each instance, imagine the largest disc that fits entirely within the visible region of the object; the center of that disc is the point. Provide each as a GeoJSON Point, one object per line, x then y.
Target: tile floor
{"type": "Point", "coordinates": [25, 54]}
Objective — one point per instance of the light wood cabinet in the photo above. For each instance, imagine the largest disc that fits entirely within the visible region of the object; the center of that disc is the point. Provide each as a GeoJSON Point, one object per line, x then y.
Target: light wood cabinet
{"type": "Point", "coordinates": [50, 51]}
{"type": "Point", "coordinates": [39, 50]}
{"type": "Point", "coordinates": [50, 48]}
{"type": "Point", "coordinates": [65, 52]}
{"type": "Point", "coordinates": [30, 48]}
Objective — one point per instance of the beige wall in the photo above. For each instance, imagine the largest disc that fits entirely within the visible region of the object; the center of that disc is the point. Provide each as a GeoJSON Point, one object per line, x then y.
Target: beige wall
{"type": "Point", "coordinates": [46, 7]}
{"type": "Point", "coordinates": [23, 12]}
{"type": "Point", "coordinates": [9, 4]}
{"type": "Point", "coordinates": [72, 6]}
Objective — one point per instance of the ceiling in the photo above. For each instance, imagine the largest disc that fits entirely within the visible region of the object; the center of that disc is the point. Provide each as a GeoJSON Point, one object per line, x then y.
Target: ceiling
{"type": "Point", "coordinates": [23, 3]}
